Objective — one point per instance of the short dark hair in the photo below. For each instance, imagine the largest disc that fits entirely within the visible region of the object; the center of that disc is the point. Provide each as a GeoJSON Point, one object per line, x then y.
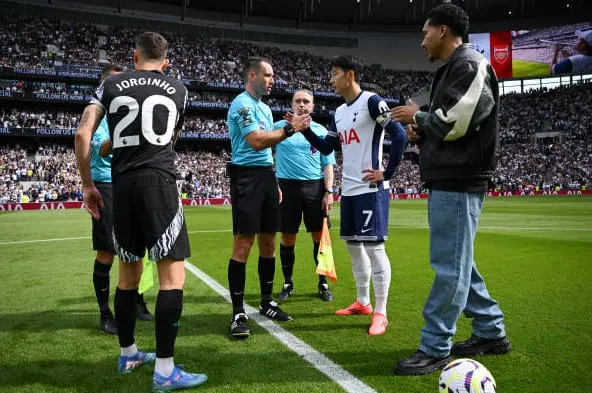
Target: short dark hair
{"type": "Point", "coordinates": [109, 69]}
{"type": "Point", "coordinates": [252, 63]}
{"type": "Point", "coordinates": [452, 16]}
{"type": "Point", "coordinates": [348, 63]}
{"type": "Point", "coordinates": [152, 46]}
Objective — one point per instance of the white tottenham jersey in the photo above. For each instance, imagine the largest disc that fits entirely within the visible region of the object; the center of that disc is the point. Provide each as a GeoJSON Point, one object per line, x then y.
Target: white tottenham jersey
{"type": "Point", "coordinates": [360, 128]}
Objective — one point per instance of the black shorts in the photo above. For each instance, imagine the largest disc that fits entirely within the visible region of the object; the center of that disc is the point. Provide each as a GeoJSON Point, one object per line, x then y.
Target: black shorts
{"type": "Point", "coordinates": [255, 200]}
{"type": "Point", "coordinates": [148, 214]}
{"type": "Point", "coordinates": [102, 230]}
{"type": "Point", "coordinates": [302, 198]}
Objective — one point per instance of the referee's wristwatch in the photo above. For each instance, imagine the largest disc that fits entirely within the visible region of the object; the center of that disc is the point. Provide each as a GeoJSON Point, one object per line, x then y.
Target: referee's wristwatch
{"type": "Point", "coordinates": [288, 130]}
{"type": "Point", "coordinates": [329, 191]}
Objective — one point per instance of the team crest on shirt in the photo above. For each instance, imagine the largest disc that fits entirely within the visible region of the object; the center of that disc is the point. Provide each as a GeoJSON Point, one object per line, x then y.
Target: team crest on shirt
{"type": "Point", "coordinates": [313, 150]}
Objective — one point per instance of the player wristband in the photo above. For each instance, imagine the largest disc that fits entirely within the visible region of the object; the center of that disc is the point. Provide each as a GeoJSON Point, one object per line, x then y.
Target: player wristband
{"type": "Point", "coordinates": [288, 130]}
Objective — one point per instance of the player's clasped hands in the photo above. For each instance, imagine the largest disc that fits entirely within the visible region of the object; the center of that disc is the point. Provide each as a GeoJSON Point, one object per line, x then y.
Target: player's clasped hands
{"type": "Point", "coordinates": [93, 200]}
{"type": "Point", "coordinates": [298, 122]}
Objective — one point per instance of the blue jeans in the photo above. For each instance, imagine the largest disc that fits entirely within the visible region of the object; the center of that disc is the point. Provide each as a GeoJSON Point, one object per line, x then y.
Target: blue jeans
{"type": "Point", "coordinates": [458, 286]}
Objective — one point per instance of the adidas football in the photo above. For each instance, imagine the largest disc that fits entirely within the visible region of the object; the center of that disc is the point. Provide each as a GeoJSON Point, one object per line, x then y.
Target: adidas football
{"type": "Point", "coordinates": [466, 376]}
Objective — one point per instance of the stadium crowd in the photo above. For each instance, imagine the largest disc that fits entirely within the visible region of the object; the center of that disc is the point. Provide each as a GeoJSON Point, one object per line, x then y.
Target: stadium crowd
{"type": "Point", "coordinates": [49, 173]}
{"type": "Point", "coordinates": [44, 43]}
{"type": "Point", "coordinates": [560, 109]}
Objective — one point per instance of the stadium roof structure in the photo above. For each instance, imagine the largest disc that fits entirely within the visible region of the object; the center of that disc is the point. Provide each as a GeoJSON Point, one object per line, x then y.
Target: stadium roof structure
{"type": "Point", "coordinates": [386, 12]}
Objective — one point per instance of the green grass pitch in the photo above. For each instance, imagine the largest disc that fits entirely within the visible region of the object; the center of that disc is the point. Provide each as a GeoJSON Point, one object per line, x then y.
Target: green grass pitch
{"type": "Point", "coordinates": [523, 69]}
{"type": "Point", "coordinates": [535, 254]}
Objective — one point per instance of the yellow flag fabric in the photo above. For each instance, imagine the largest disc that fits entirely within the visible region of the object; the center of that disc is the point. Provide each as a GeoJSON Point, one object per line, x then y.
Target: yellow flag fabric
{"type": "Point", "coordinates": [147, 278]}
{"type": "Point", "coordinates": [326, 266]}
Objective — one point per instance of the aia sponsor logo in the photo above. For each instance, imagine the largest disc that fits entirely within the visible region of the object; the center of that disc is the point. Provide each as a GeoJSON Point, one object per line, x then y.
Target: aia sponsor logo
{"type": "Point", "coordinates": [348, 137]}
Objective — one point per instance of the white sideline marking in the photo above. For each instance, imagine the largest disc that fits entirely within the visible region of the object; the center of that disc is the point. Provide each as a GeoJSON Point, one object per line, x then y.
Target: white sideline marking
{"type": "Point", "coordinates": [333, 371]}
{"type": "Point", "coordinates": [61, 239]}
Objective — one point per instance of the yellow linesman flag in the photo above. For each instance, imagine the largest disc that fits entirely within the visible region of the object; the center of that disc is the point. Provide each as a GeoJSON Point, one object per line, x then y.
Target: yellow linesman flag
{"type": "Point", "coordinates": [147, 278]}
{"type": "Point", "coordinates": [326, 266]}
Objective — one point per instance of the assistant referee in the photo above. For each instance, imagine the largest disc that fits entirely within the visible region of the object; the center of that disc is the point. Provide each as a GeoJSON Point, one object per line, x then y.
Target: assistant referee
{"type": "Point", "coordinates": [306, 180]}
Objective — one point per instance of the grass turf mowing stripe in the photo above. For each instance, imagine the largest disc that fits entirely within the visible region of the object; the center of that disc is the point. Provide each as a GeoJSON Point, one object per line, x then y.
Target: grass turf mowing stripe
{"type": "Point", "coordinates": [333, 371]}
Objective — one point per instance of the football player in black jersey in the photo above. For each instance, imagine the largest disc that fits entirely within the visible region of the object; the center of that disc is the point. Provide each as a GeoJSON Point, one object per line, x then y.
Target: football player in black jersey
{"type": "Point", "coordinates": [144, 110]}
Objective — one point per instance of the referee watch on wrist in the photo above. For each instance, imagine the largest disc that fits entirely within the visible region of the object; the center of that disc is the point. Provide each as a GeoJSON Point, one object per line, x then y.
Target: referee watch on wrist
{"type": "Point", "coordinates": [329, 191]}
{"type": "Point", "coordinates": [288, 130]}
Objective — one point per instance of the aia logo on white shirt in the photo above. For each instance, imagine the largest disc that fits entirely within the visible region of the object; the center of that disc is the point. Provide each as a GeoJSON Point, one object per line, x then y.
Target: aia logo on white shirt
{"type": "Point", "coordinates": [348, 137]}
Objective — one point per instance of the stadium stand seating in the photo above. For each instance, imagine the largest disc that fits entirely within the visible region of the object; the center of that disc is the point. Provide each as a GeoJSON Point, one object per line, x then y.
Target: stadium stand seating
{"type": "Point", "coordinates": [44, 169]}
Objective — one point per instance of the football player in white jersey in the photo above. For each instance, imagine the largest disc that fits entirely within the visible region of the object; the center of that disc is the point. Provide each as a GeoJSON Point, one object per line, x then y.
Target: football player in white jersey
{"type": "Point", "coordinates": [358, 130]}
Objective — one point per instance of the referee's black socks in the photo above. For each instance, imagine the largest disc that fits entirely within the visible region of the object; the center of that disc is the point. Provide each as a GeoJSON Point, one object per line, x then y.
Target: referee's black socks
{"type": "Point", "coordinates": [287, 258]}
{"type": "Point", "coordinates": [169, 306]}
{"type": "Point", "coordinates": [236, 284]}
{"type": "Point", "coordinates": [101, 284]}
{"type": "Point", "coordinates": [266, 272]}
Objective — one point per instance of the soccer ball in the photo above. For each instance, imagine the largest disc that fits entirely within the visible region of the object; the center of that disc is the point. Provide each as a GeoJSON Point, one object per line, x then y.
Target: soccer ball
{"type": "Point", "coordinates": [466, 376]}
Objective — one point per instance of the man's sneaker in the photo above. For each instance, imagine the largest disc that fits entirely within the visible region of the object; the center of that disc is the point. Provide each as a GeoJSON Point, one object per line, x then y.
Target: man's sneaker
{"type": "Point", "coordinates": [420, 363]}
{"type": "Point", "coordinates": [475, 346]}
{"type": "Point", "coordinates": [272, 311]}
{"type": "Point", "coordinates": [287, 290]}
{"type": "Point", "coordinates": [179, 379]}
{"type": "Point", "coordinates": [239, 326]}
{"type": "Point", "coordinates": [108, 324]}
{"type": "Point", "coordinates": [143, 313]}
{"type": "Point", "coordinates": [128, 363]}
{"type": "Point", "coordinates": [354, 309]}
{"type": "Point", "coordinates": [379, 324]}
{"type": "Point", "coordinates": [325, 293]}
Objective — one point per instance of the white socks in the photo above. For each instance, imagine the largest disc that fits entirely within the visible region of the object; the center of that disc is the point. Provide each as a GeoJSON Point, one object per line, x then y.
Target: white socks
{"type": "Point", "coordinates": [164, 366]}
{"type": "Point", "coordinates": [381, 274]}
{"type": "Point", "coordinates": [362, 269]}
{"type": "Point", "coordinates": [129, 351]}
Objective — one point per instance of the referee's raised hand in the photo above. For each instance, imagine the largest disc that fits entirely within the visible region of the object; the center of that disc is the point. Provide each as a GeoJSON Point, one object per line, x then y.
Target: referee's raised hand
{"type": "Point", "coordinates": [93, 200]}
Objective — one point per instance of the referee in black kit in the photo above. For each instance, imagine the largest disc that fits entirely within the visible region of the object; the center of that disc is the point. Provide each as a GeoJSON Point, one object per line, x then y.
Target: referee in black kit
{"type": "Point", "coordinates": [306, 179]}
{"type": "Point", "coordinates": [254, 190]}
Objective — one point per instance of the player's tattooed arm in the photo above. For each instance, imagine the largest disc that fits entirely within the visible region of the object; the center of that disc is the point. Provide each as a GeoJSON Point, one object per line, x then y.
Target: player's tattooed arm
{"type": "Point", "coordinates": [89, 122]}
